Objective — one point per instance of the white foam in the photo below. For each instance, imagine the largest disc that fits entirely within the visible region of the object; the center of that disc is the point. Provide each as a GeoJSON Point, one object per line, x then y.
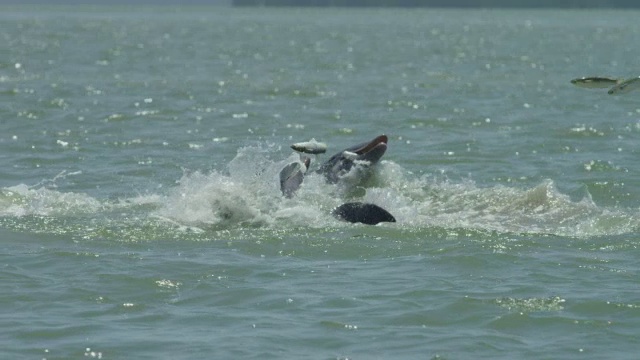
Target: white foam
{"type": "Point", "coordinates": [22, 200]}
{"type": "Point", "coordinates": [249, 196]}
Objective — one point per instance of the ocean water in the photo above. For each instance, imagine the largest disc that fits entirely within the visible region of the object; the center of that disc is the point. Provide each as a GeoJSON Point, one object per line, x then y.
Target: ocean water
{"type": "Point", "coordinates": [140, 214]}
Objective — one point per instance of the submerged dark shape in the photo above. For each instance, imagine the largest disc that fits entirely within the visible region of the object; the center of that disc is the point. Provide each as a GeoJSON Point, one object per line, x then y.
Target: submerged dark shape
{"type": "Point", "coordinates": [291, 176]}
{"type": "Point", "coordinates": [367, 154]}
{"type": "Point", "coordinates": [365, 213]}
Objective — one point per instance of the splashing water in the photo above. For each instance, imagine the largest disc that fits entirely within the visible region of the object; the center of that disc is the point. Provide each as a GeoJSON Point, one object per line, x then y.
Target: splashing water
{"type": "Point", "coordinates": [247, 196]}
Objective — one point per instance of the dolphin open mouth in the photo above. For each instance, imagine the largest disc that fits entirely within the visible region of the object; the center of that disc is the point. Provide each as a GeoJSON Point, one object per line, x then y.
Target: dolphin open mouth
{"type": "Point", "coordinates": [364, 155]}
{"type": "Point", "coordinates": [371, 151]}
{"type": "Point", "coordinates": [366, 147]}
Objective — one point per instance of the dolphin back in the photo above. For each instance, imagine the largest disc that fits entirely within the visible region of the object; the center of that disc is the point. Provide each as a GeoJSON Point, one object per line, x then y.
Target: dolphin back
{"type": "Point", "coordinates": [357, 212]}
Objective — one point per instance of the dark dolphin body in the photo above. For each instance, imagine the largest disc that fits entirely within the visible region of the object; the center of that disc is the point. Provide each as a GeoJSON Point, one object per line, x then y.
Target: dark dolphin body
{"type": "Point", "coordinates": [341, 163]}
{"type": "Point", "coordinates": [366, 154]}
{"type": "Point", "coordinates": [369, 214]}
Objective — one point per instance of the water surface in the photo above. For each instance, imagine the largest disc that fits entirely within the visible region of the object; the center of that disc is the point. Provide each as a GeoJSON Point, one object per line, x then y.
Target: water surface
{"type": "Point", "coordinates": [140, 213]}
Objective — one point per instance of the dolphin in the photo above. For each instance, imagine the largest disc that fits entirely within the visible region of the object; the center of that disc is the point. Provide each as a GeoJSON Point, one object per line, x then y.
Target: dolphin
{"type": "Point", "coordinates": [365, 213]}
{"type": "Point", "coordinates": [365, 154]}
{"type": "Point", "coordinates": [334, 169]}
{"type": "Point", "coordinates": [291, 176]}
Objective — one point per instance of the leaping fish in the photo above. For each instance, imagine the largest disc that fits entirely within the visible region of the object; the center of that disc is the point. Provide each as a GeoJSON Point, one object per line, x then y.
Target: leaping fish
{"type": "Point", "coordinates": [595, 82]}
{"type": "Point", "coordinates": [310, 147]}
{"type": "Point", "coordinates": [625, 86]}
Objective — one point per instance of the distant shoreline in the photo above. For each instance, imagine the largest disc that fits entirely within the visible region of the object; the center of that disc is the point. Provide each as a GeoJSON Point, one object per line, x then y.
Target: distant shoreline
{"type": "Point", "coordinates": [508, 4]}
{"type": "Point", "coordinates": [535, 4]}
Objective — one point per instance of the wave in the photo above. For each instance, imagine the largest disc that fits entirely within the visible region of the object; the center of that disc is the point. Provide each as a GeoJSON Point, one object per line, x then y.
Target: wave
{"type": "Point", "coordinates": [246, 195]}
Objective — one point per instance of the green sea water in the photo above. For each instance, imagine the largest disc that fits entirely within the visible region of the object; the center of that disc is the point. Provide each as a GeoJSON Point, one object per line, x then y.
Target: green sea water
{"type": "Point", "coordinates": [141, 216]}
